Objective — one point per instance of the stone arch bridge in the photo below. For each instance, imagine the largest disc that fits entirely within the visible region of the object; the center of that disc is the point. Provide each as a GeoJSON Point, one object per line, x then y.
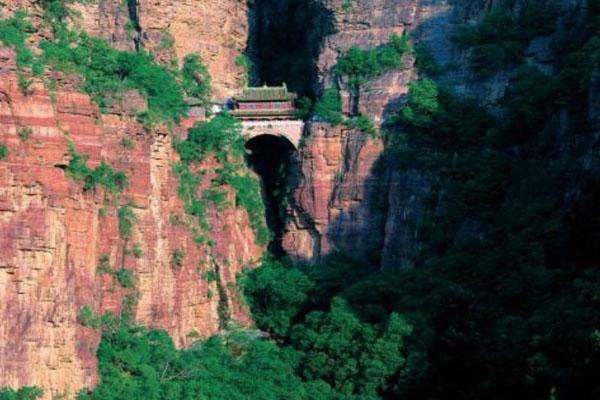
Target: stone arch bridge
{"type": "Point", "coordinates": [288, 129]}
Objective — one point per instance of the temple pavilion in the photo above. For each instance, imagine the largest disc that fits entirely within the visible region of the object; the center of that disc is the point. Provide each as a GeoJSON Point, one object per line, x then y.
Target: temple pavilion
{"type": "Point", "coordinates": [266, 102]}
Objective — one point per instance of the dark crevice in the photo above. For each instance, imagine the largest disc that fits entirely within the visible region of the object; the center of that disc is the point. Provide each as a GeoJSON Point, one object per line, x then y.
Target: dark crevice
{"type": "Point", "coordinates": [223, 307]}
{"type": "Point", "coordinates": [285, 41]}
{"type": "Point", "coordinates": [269, 157]}
{"type": "Point", "coordinates": [132, 9]}
{"type": "Point", "coordinates": [284, 44]}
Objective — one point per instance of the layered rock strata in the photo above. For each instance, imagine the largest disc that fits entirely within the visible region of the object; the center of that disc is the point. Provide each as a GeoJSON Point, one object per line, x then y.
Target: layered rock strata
{"type": "Point", "coordinates": [53, 234]}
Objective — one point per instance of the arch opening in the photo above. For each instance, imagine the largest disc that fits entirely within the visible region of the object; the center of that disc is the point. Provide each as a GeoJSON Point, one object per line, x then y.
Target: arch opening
{"type": "Point", "coordinates": [269, 157]}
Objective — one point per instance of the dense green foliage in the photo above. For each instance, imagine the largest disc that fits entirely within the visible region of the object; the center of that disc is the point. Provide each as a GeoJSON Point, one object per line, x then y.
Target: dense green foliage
{"type": "Point", "coordinates": [13, 33]}
{"type": "Point", "coordinates": [125, 278]}
{"type": "Point", "coordinates": [25, 393]}
{"type": "Point", "coordinates": [360, 65]}
{"type": "Point", "coordinates": [195, 78]}
{"type": "Point", "coordinates": [502, 37]}
{"type": "Point", "coordinates": [333, 344]}
{"type": "Point", "coordinates": [103, 175]}
{"type": "Point", "coordinates": [273, 303]}
{"type": "Point", "coordinates": [109, 73]}
{"type": "Point", "coordinates": [332, 354]}
{"type": "Point", "coordinates": [221, 137]}
{"type": "Point", "coordinates": [136, 363]}
{"type": "Point", "coordinates": [329, 106]}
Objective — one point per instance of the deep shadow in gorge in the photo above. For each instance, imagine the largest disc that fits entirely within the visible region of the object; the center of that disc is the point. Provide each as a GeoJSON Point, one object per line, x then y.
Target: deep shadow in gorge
{"type": "Point", "coordinates": [285, 41]}
{"type": "Point", "coordinates": [284, 45]}
{"type": "Point", "coordinates": [269, 156]}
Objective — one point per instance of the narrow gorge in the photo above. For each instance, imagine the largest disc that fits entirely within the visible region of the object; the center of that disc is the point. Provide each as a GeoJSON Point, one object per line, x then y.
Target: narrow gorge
{"type": "Point", "coordinates": [414, 217]}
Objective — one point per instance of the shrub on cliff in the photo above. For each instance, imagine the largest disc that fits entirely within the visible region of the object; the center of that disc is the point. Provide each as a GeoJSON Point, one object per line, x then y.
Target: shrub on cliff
{"type": "Point", "coordinates": [502, 36]}
{"type": "Point", "coordinates": [3, 151]}
{"type": "Point", "coordinates": [13, 33]}
{"type": "Point", "coordinates": [127, 219]}
{"type": "Point", "coordinates": [363, 124]}
{"type": "Point", "coordinates": [24, 393]}
{"type": "Point", "coordinates": [109, 73]}
{"type": "Point", "coordinates": [220, 136]}
{"type": "Point", "coordinates": [329, 106]}
{"type": "Point", "coordinates": [361, 65]}
{"type": "Point", "coordinates": [248, 196]}
{"type": "Point", "coordinates": [195, 78]}
{"type": "Point", "coordinates": [103, 175]}
{"type": "Point", "coordinates": [423, 104]}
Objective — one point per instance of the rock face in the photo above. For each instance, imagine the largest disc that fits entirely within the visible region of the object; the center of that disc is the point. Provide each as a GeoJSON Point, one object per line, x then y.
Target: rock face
{"type": "Point", "coordinates": [332, 206]}
{"type": "Point", "coordinates": [367, 24]}
{"type": "Point", "coordinates": [217, 30]}
{"type": "Point", "coordinates": [52, 235]}
{"type": "Point", "coordinates": [341, 201]}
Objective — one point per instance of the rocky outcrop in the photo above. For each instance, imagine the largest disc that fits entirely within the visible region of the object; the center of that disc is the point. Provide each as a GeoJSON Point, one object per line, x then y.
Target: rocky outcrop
{"type": "Point", "coordinates": [367, 24]}
{"type": "Point", "coordinates": [52, 235]}
{"type": "Point", "coordinates": [218, 31]}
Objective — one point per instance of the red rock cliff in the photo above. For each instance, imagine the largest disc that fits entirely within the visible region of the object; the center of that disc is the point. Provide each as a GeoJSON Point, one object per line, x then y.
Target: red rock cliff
{"type": "Point", "coordinates": [339, 203]}
{"type": "Point", "coordinates": [52, 235]}
{"type": "Point", "coordinates": [217, 30]}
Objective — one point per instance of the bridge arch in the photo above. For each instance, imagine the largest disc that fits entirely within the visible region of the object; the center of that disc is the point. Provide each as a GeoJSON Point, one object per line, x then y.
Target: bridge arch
{"type": "Point", "coordinates": [291, 130]}
{"type": "Point", "coordinates": [270, 155]}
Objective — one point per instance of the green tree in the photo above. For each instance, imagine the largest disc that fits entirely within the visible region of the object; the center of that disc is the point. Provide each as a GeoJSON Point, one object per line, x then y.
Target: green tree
{"type": "Point", "coordinates": [357, 358]}
{"type": "Point", "coordinates": [276, 294]}
{"type": "Point", "coordinates": [423, 104]}
{"type": "Point", "coordinates": [127, 219]}
{"type": "Point", "coordinates": [329, 106]}
{"type": "Point", "coordinates": [195, 77]}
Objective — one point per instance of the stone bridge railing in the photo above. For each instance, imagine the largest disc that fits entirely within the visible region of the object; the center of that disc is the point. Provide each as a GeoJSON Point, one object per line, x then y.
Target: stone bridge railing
{"type": "Point", "coordinates": [289, 129]}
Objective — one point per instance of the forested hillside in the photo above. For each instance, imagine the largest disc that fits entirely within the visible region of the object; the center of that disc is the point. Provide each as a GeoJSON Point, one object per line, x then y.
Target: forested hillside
{"type": "Point", "coordinates": [502, 297]}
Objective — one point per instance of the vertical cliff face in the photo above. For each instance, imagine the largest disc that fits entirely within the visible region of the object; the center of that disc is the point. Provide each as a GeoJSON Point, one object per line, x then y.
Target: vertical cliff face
{"type": "Point", "coordinates": [217, 31]}
{"type": "Point", "coordinates": [53, 235]}
{"type": "Point", "coordinates": [340, 197]}
{"type": "Point", "coordinates": [286, 37]}
{"type": "Point", "coordinates": [331, 207]}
